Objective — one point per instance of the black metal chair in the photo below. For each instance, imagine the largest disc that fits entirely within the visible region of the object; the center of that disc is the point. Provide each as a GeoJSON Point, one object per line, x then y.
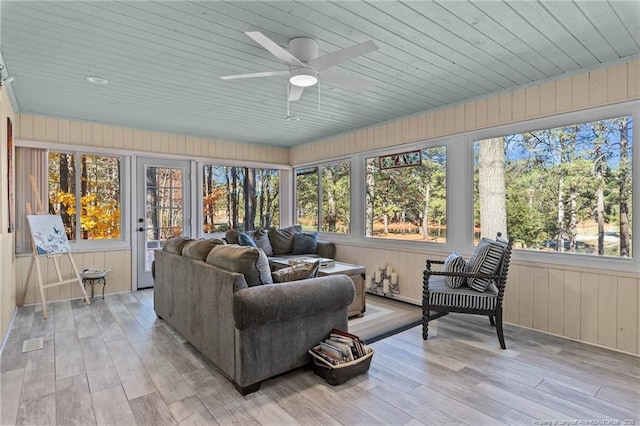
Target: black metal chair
{"type": "Point", "coordinates": [439, 297]}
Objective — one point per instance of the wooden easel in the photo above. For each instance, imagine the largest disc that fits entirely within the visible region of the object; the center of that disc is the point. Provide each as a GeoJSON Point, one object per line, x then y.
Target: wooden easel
{"type": "Point", "coordinates": [35, 260]}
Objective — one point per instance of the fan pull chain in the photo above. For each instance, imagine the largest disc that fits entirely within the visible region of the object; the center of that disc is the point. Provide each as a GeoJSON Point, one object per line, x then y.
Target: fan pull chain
{"type": "Point", "coordinates": [318, 95]}
{"type": "Point", "coordinates": [288, 90]}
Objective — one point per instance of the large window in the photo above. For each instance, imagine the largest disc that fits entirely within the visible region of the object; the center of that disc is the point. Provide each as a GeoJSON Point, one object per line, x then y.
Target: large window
{"type": "Point", "coordinates": [323, 195]}
{"type": "Point", "coordinates": [85, 191]}
{"type": "Point", "coordinates": [566, 189]}
{"type": "Point", "coordinates": [239, 197]}
{"type": "Point", "coordinates": [407, 203]}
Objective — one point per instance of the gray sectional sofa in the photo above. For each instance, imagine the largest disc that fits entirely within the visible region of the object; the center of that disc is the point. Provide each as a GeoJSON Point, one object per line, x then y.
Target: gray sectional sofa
{"type": "Point", "coordinates": [218, 297]}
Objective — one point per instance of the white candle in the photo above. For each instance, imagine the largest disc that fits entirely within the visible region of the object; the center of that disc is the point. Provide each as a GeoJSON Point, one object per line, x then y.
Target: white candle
{"type": "Point", "coordinates": [389, 271]}
{"type": "Point", "coordinates": [378, 276]}
{"type": "Point", "coordinates": [394, 278]}
{"type": "Point", "coordinates": [385, 285]}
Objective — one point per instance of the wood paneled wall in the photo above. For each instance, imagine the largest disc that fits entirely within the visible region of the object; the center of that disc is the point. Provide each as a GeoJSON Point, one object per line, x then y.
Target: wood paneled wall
{"type": "Point", "coordinates": [7, 279]}
{"type": "Point", "coordinates": [593, 306]}
{"type": "Point", "coordinates": [597, 88]}
{"type": "Point", "coordinates": [118, 279]}
{"type": "Point", "coordinates": [75, 132]}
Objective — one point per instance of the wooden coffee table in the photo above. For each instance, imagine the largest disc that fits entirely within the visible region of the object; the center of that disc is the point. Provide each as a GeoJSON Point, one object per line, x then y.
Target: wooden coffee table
{"type": "Point", "coordinates": [355, 272]}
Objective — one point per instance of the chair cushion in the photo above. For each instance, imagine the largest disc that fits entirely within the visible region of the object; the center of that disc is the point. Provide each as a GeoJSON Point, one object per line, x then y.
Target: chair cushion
{"type": "Point", "coordinates": [440, 294]}
{"type": "Point", "coordinates": [175, 244]}
{"type": "Point", "coordinates": [485, 260]}
{"type": "Point", "coordinates": [199, 249]}
{"type": "Point", "coordinates": [249, 261]}
{"type": "Point", "coordinates": [455, 263]}
{"type": "Point", "coordinates": [300, 271]}
{"type": "Point", "coordinates": [245, 240]}
{"type": "Point", "coordinates": [305, 243]}
{"type": "Point", "coordinates": [282, 239]}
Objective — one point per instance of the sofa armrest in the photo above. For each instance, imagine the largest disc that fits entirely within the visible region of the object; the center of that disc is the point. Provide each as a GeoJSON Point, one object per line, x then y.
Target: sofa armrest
{"type": "Point", "coordinates": [273, 303]}
{"type": "Point", "coordinates": [326, 249]}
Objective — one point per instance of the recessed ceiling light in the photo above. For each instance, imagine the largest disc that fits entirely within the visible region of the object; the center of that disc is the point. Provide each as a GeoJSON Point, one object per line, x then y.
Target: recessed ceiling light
{"type": "Point", "coordinates": [96, 80]}
{"type": "Point", "coordinates": [292, 118]}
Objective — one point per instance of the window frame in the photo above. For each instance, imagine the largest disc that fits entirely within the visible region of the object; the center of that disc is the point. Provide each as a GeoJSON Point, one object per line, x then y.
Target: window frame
{"type": "Point", "coordinates": [124, 242]}
{"type": "Point", "coordinates": [319, 166]}
{"type": "Point", "coordinates": [422, 146]}
{"type": "Point", "coordinates": [631, 108]}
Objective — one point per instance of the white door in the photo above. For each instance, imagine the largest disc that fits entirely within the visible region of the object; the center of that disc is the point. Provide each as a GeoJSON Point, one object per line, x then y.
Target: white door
{"type": "Point", "coordinates": [163, 209]}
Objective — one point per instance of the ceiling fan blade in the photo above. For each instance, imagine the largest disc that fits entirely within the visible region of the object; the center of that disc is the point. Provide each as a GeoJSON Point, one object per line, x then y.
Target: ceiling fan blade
{"type": "Point", "coordinates": [295, 92]}
{"type": "Point", "coordinates": [275, 49]}
{"type": "Point", "coordinates": [330, 59]}
{"type": "Point", "coordinates": [345, 81]}
{"type": "Point", "coordinates": [254, 75]}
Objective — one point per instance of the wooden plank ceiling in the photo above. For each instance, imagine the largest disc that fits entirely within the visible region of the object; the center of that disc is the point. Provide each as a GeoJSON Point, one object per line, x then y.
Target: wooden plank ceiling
{"type": "Point", "coordinates": [163, 59]}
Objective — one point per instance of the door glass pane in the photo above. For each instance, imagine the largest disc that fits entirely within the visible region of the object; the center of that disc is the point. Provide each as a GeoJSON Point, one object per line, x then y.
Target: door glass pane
{"type": "Point", "coordinates": [163, 212]}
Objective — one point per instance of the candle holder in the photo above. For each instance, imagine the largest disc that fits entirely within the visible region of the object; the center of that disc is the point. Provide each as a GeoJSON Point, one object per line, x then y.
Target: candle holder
{"type": "Point", "coordinates": [384, 282]}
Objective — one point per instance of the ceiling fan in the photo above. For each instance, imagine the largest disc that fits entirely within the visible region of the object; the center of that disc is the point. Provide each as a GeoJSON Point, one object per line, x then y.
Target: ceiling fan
{"type": "Point", "coordinates": [305, 67]}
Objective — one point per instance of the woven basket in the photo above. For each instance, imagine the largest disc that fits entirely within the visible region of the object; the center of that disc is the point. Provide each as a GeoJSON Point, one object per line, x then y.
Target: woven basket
{"type": "Point", "coordinates": [338, 374]}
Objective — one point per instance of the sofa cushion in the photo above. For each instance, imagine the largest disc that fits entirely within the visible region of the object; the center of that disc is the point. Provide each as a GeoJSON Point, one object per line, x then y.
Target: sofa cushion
{"type": "Point", "coordinates": [249, 261]}
{"type": "Point", "coordinates": [455, 263]}
{"type": "Point", "coordinates": [486, 260]}
{"type": "Point", "coordinates": [305, 243]}
{"type": "Point", "coordinates": [232, 236]}
{"type": "Point", "coordinates": [245, 240]}
{"type": "Point", "coordinates": [261, 238]}
{"type": "Point", "coordinates": [175, 244]}
{"type": "Point", "coordinates": [300, 271]}
{"type": "Point", "coordinates": [282, 239]}
{"type": "Point", "coordinates": [199, 249]}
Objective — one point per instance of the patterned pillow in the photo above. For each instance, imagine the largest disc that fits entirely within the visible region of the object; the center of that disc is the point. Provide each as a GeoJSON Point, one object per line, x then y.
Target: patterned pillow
{"type": "Point", "coordinates": [455, 263]}
{"type": "Point", "coordinates": [299, 271]}
{"type": "Point", "coordinates": [486, 260]}
{"type": "Point", "coordinates": [305, 243]}
{"type": "Point", "coordinates": [245, 240]}
{"type": "Point", "coordinates": [232, 236]}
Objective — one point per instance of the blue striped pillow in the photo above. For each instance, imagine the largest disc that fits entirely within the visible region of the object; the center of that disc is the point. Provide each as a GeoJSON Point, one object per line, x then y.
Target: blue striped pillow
{"type": "Point", "coordinates": [455, 263]}
{"type": "Point", "coordinates": [485, 260]}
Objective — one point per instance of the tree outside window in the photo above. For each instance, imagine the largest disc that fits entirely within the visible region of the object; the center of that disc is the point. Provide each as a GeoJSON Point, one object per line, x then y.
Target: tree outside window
{"type": "Point", "coordinates": [566, 189]}
{"type": "Point", "coordinates": [408, 203]}
{"type": "Point", "coordinates": [89, 204]}
{"type": "Point", "coordinates": [239, 197]}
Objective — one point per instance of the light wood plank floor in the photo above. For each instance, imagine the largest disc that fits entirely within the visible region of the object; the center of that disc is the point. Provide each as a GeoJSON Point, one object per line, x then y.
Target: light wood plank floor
{"type": "Point", "coordinates": [113, 362]}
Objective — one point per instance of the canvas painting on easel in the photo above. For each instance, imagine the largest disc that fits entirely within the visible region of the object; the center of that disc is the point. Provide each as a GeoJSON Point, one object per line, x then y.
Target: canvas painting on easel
{"type": "Point", "coordinates": [48, 234]}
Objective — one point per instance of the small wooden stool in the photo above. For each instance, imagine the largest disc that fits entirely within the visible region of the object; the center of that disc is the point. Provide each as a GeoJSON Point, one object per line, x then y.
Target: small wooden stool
{"type": "Point", "coordinates": [93, 277]}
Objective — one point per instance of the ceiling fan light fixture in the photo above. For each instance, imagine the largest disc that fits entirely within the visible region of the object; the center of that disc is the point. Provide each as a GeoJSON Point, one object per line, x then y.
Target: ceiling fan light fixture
{"type": "Point", "coordinates": [303, 77]}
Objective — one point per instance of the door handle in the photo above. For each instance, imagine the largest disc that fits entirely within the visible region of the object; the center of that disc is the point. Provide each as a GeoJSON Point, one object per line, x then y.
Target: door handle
{"type": "Point", "coordinates": [141, 229]}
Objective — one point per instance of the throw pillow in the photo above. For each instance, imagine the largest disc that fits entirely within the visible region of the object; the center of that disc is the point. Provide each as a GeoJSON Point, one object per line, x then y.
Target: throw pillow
{"type": "Point", "coordinates": [246, 240]}
{"type": "Point", "coordinates": [249, 261]}
{"type": "Point", "coordinates": [199, 249]}
{"type": "Point", "coordinates": [300, 271]}
{"type": "Point", "coordinates": [486, 260]}
{"type": "Point", "coordinates": [232, 236]}
{"type": "Point", "coordinates": [305, 243]}
{"type": "Point", "coordinates": [261, 239]}
{"type": "Point", "coordinates": [282, 239]}
{"type": "Point", "coordinates": [455, 263]}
